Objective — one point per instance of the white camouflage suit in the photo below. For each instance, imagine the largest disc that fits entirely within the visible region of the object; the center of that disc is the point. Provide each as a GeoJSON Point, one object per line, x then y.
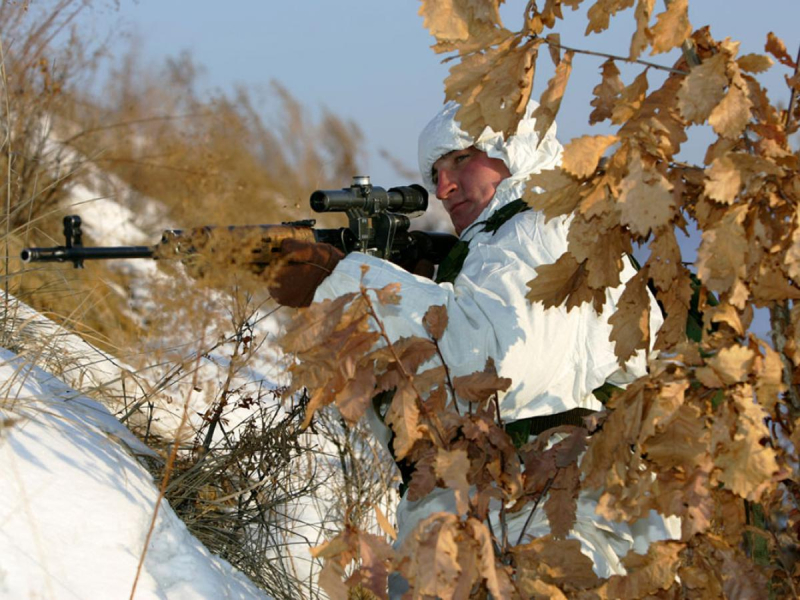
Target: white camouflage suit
{"type": "Point", "coordinates": [554, 358]}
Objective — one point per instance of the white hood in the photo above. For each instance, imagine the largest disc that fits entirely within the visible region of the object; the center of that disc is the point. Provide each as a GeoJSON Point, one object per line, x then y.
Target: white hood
{"type": "Point", "coordinates": [522, 153]}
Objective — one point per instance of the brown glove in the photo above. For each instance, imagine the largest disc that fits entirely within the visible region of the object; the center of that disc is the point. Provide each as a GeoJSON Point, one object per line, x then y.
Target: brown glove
{"type": "Point", "coordinates": [422, 267]}
{"type": "Point", "coordinates": [306, 265]}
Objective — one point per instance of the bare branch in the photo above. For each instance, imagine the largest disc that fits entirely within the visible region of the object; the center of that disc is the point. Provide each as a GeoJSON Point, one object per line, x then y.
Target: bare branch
{"type": "Point", "coordinates": [615, 57]}
{"type": "Point", "coordinates": [793, 96]}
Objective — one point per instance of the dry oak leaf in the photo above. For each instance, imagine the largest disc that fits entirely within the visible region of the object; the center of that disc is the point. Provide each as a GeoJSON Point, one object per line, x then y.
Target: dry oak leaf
{"type": "Point", "coordinates": [732, 364]}
{"type": "Point", "coordinates": [721, 258]}
{"type": "Point", "coordinates": [389, 294]}
{"type": "Point", "coordinates": [550, 101]}
{"type": "Point", "coordinates": [561, 504]}
{"type": "Point", "coordinates": [629, 100]}
{"type": "Point", "coordinates": [313, 324]}
{"type": "Point", "coordinates": [505, 95]}
{"type": "Point", "coordinates": [596, 197]}
{"type": "Point", "coordinates": [493, 87]}
{"type": "Point", "coordinates": [676, 301]}
{"type": "Point", "coordinates": [754, 63]}
{"type": "Point", "coordinates": [375, 555]}
{"type": "Point", "coordinates": [723, 180]}
{"type": "Point", "coordinates": [665, 259]}
{"type": "Point", "coordinates": [555, 562]}
{"type": "Point", "coordinates": [423, 479]}
{"type": "Point", "coordinates": [630, 323]}
{"type": "Point", "coordinates": [602, 244]}
{"type": "Point", "coordinates": [582, 154]}
{"type": "Point", "coordinates": [356, 396]}
{"type": "Point", "coordinates": [552, 192]}
{"type": "Point", "coordinates": [443, 21]}
{"type": "Point", "coordinates": [568, 450]}
{"type": "Point", "coordinates": [662, 407]}
{"type": "Point", "coordinates": [479, 387]}
{"type": "Point", "coordinates": [606, 93]}
{"type": "Point", "coordinates": [768, 370]}
{"type": "Point", "coordinates": [536, 589]}
{"type": "Point", "coordinates": [413, 352]}
{"type": "Point", "coordinates": [703, 89]}
{"type": "Point", "coordinates": [647, 574]}
{"type": "Point", "coordinates": [742, 577]}
{"type": "Point", "coordinates": [601, 12]}
{"type": "Point", "coordinates": [564, 280]}
{"type": "Point", "coordinates": [792, 260]}
{"type": "Point", "coordinates": [681, 442]}
{"type": "Point", "coordinates": [770, 284]}
{"type": "Point", "coordinates": [730, 117]}
{"type": "Point", "coordinates": [672, 27]}
{"type": "Point", "coordinates": [445, 557]}
{"type": "Point", "coordinates": [777, 48]}
{"type": "Point", "coordinates": [331, 580]}
{"type": "Point", "coordinates": [455, 22]}
{"type": "Point", "coordinates": [452, 467]}
{"type": "Point", "coordinates": [553, 45]}
{"type": "Point", "coordinates": [435, 321]}
{"type": "Point", "coordinates": [643, 35]}
{"type": "Point", "coordinates": [726, 314]}
{"type": "Point", "coordinates": [403, 417]}
{"type": "Point", "coordinates": [645, 198]}
{"type": "Point", "coordinates": [687, 495]}
{"type": "Point", "coordinates": [434, 556]}
{"type": "Point", "coordinates": [746, 465]}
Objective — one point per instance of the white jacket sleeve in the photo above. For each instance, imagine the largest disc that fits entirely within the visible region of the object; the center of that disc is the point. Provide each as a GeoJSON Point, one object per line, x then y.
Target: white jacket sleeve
{"type": "Point", "coordinates": [553, 357]}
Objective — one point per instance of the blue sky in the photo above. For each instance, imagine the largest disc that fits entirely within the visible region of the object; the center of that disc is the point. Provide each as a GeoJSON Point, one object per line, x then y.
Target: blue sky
{"type": "Point", "coordinates": [370, 61]}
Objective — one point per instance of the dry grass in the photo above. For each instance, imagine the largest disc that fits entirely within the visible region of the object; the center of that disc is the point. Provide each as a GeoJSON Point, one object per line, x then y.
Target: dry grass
{"type": "Point", "coordinates": [214, 160]}
{"type": "Point", "coordinates": [152, 136]}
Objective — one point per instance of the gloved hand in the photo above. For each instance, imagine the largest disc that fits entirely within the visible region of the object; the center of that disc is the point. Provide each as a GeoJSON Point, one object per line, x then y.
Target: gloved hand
{"type": "Point", "coordinates": [306, 266]}
{"type": "Point", "coordinates": [422, 267]}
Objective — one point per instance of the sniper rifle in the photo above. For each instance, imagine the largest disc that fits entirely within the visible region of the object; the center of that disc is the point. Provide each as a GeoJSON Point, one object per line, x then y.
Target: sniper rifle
{"type": "Point", "coordinates": [378, 223]}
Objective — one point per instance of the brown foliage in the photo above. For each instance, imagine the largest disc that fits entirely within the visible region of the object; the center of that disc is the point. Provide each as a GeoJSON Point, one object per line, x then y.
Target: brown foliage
{"type": "Point", "coordinates": [703, 435]}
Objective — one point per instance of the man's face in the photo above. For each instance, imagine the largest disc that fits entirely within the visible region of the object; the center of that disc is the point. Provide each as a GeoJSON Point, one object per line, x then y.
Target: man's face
{"type": "Point", "coordinates": [465, 183]}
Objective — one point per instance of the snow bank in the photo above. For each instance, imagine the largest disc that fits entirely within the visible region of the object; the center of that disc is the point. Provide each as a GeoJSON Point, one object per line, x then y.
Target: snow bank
{"type": "Point", "coordinates": [76, 505]}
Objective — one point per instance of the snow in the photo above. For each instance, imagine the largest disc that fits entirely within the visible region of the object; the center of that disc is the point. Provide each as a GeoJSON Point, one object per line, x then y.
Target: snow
{"type": "Point", "coordinates": [76, 505]}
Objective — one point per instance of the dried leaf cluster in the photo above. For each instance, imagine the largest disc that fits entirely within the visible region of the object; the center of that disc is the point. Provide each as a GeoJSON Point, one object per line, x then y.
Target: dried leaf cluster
{"type": "Point", "coordinates": [711, 435]}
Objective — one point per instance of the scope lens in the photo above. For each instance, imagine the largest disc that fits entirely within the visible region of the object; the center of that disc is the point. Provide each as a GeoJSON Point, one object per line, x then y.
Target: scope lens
{"type": "Point", "coordinates": [408, 199]}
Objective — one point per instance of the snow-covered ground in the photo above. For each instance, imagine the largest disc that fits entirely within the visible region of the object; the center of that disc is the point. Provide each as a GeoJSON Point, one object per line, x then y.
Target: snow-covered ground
{"type": "Point", "coordinates": [76, 505]}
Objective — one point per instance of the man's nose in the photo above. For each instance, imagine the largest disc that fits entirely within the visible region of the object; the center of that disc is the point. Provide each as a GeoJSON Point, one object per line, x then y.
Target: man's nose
{"type": "Point", "coordinates": [445, 184]}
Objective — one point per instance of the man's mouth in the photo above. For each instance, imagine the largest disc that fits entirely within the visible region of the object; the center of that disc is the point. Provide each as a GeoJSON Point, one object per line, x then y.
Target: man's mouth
{"type": "Point", "coordinates": [455, 207]}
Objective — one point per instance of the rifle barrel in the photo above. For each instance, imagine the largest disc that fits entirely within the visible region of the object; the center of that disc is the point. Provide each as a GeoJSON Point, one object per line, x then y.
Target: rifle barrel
{"type": "Point", "coordinates": [79, 253]}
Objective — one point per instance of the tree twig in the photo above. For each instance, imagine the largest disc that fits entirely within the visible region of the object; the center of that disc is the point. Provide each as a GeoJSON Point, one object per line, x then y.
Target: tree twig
{"type": "Point", "coordinates": [780, 321]}
{"type": "Point", "coordinates": [447, 376]}
{"type": "Point", "coordinates": [793, 96]}
{"type": "Point", "coordinates": [615, 57]}
{"type": "Point", "coordinates": [533, 510]}
{"type": "Point", "coordinates": [438, 429]}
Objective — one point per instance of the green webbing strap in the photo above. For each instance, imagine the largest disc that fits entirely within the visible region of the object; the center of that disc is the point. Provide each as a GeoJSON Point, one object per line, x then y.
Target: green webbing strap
{"type": "Point", "coordinates": [451, 266]}
{"type": "Point", "coordinates": [605, 391]}
{"type": "Point", "coordinates": [501, 215]}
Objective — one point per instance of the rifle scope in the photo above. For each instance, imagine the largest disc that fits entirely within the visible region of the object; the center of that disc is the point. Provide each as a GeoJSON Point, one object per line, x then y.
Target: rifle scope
{"type": "Point", "coordinates": [362, 195]}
